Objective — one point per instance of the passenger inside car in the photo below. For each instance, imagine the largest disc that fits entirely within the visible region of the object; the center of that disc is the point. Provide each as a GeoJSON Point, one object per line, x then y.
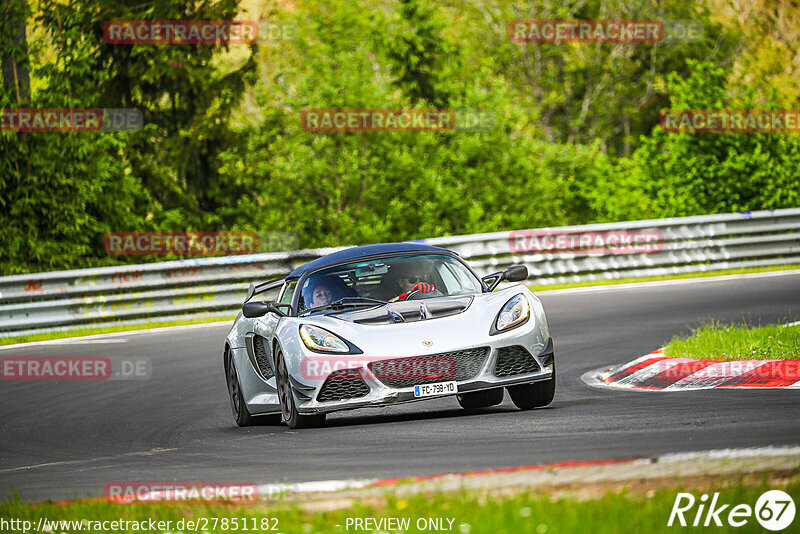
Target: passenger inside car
{"type": "Point", "coordinates": [322, 295]}
{"type": "Point", "coordinates": [323, 290]}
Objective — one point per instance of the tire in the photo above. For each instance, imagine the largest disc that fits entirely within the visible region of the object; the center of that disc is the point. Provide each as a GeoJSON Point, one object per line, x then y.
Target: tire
{"type": "Point", "coordinates": [481, 399]}
{"type": "Point", "coordinates": [536, 395]}
{"type": "Point", "coordinates": [289, 413]}
{"type": "Point", "coordinates": [240, 412]}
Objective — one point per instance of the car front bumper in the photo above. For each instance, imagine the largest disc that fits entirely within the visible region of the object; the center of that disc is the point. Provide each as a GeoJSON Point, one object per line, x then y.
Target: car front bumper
{"type": "Point", "coordinates": [381, 394]}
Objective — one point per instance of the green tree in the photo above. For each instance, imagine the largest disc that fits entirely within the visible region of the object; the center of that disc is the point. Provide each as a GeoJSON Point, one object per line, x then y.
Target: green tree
{"type": "Point", "coordinates": [582, 92]}
{"type": "Point", "coordinates": [60, 192]}
{"type": "Point", "coordinates": [185, 95]}
{"type": "Point", "coordinates": [698, 173]}
{"type": "Point", "coordinates": [339, 188]}
{"type": "Point", "coordinates": [420, 58]}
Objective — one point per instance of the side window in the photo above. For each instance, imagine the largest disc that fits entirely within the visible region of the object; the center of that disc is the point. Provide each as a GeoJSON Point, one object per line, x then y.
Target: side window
{"type": "Point", "coordinates": [450, 282]}
{"type": "Point", "coordinates": [458, 280]}
{"type": "Point", "coordinates": [286, 292]}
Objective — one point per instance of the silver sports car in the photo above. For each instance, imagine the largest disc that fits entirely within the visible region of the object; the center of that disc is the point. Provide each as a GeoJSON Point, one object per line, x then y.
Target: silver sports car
{"type": "Point", "coordinates": [382, 324]}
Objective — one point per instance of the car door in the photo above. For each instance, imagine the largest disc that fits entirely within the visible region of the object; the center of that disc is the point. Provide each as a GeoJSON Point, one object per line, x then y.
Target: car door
{"type": "Point", "coordinates": [254, 360]}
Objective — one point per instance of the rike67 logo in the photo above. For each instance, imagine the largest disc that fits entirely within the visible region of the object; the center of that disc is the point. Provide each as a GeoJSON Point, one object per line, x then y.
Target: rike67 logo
{"type": "Point", "coordinates": [774, 510]}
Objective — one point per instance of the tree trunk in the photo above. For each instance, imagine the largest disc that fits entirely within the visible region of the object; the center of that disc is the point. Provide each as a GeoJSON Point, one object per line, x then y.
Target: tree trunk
{"type": "Point", "coordinates": [15, 71]}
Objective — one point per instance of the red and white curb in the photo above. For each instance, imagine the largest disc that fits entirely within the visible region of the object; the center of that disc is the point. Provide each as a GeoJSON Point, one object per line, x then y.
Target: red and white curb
{"type": "Point", "coordinates": [323, 486]}
{"type": "Point", "coordinates": [249, 493]}
{"type": "Point", "coordinates": [657, 372]}
{"type": "Point", "coordinates": [564, 470]}
{"type": "Point", "coordinates": [791, 451]}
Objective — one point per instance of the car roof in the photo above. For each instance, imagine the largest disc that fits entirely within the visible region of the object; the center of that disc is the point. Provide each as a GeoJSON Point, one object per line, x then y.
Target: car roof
{"type": "Point", "coordinates": [354, 253]}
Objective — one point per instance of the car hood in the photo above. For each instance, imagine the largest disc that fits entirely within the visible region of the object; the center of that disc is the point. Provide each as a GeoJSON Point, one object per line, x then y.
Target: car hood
{"type": "Point", "coordinates": [408, 311]}
{"type": "Point", "coordinates": [469, 327]}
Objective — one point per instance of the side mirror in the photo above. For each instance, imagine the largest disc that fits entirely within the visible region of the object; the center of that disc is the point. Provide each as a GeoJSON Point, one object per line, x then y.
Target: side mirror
{"type": "Point", "coordinates": [260, 309]}
{"type": "Point", "coordinates": [516, 273]}
{"type": "Point", "coordinates": [255, 309]}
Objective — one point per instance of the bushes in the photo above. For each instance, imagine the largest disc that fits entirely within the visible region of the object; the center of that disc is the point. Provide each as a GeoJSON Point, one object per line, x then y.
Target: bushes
{"type": "Point", "coordinates": [691, 174]}
{"type": "Point", "coordinates": [223, 148]}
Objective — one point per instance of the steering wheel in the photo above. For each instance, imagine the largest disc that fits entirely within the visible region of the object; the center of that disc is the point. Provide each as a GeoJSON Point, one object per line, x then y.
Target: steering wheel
{"type": "Point", "coordinates": [416, 294]}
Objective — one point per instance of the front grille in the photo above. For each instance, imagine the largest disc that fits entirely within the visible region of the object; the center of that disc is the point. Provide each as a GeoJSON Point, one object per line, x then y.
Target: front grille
{"type": "Point", "coordinates": [342, 385]}
{"type": "Point", "coordinates": [262, 357]}
{"type": "Point", "coordinates": [515, 360]}
{"type": "Point", "coordinates": [408, 372]}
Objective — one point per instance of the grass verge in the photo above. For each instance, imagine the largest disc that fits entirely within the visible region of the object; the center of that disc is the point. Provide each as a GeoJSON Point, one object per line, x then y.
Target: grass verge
{"type": "Point", "coordinates": [463, 512]}
{"type": "Point", "coordinates": [717, 341]}
{"type": "Point", "coordinates": [89, 331]}
{"type": "Point", "coordinates": [630, 280]}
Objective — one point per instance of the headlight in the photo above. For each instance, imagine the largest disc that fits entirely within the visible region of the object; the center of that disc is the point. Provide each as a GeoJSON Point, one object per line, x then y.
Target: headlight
{"type": "Point", "coordinates": [319, 339]}
{"type": "Point", "coordinates": [515, 312]}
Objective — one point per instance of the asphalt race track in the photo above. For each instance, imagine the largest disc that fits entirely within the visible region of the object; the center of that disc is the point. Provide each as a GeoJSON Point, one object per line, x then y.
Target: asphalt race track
{"type": "Point", "coordinates": [67, 439]}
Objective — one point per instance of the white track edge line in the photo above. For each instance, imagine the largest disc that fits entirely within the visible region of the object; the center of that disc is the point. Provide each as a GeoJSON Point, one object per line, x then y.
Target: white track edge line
{"type": "Point", "coordinates": [155, 330]}
{"type": "Point", "coordinates": [656, 283]}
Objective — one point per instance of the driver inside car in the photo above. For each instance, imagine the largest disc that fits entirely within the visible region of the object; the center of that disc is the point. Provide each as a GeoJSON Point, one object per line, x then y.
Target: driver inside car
{"type": "Point", "coordinates": [410, 277]}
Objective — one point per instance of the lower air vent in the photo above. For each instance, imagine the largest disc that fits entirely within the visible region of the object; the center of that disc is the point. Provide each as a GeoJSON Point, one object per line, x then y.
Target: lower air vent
{"type": "Point", "coordinates": [515, 360]}
{"type": "Point", "coordinates": [342, 385]}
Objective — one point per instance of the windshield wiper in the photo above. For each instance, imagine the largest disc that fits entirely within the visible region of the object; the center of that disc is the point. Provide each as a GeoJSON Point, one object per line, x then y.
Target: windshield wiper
{"type": "Point", "coordinates": [357, 300]}
{"type": "Point", "coordinates": [347, 301]}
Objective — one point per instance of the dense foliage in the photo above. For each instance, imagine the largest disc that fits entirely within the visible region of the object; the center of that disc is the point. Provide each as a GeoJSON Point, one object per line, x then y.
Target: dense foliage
{"type": "Point", "coordinates": [576, 138]}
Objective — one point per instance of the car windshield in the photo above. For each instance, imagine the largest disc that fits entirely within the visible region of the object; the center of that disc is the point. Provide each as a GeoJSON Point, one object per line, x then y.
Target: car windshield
{"type": "Point", "coordinates": [388, 280]}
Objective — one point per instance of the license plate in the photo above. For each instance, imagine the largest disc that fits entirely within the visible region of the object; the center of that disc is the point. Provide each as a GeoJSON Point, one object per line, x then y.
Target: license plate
{"type": "Point", "coordinates": [437, 388]}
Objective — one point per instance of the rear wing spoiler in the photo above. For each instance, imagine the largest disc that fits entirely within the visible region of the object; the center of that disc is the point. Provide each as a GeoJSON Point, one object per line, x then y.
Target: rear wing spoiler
{"type": "Point", "coordinates": [254, 289]}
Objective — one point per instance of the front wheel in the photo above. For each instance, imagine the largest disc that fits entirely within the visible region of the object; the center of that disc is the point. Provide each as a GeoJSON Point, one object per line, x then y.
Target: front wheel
{"type": "Point", "coordinates": [536, 395]}
{"type": "Point", "coordinates": [240, 412]}
{"type": "Point", "coordinates": [289, 413]}
{"type": "Point", "coordinates": [480, 399]}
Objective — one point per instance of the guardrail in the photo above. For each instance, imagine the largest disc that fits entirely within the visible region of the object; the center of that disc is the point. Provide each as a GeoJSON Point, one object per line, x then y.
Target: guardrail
{"type": "Point", "coordinates": [69, 299]}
